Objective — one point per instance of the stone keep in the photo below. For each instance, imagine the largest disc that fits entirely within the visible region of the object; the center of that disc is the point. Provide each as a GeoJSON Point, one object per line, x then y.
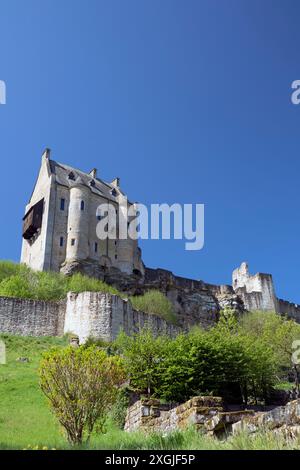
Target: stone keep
{"type": "Point", "coordinates": [59, 231]}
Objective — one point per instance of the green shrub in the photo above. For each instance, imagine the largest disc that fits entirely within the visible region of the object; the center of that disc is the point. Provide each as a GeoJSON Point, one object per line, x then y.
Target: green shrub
{"type": "Point", "coordinates": [81, 386]}
{"type": "Point", "coordinates": [119, 408]}
{"type": "Point", "coordinates": [155, 302]}
{"type": "Point", "coordinates": [222, 361]}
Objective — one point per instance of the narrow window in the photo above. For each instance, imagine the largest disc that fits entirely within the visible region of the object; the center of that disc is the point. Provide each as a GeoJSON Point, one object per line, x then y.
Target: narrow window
{"type": "Point", "coordinates": [73, 241]}
{"type": "Point", "coordinates": [116, 256]}
{"type": "Point", "coordinates": [62, 204]}
{"type": "Point", "coordinates": [61, 241]}
{"type": "Point", "coordinates": [99, 217]}
{"type": "Point", "coordinates": [96, 247]}
{"type": "Point", "coordinates": [82, 205]}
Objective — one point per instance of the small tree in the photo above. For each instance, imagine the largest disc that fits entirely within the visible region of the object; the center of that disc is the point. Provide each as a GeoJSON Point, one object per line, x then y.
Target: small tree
{"type": "Point", "coordinates": [142, 353]}
{"type": "Point", "coordinates": [81, 385]}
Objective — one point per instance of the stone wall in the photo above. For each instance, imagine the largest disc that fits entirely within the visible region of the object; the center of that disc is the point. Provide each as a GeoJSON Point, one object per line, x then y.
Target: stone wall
{"type": "Point", "coordinates": [257, 291]}
{"type": "Point", "coordinates": [88, 314]}
{"type": "Point", "coordinates": [31, 317]}
{"type": "Point", "coordinates": [204, 413]}
{"type": "Point", "coordinates": [97, 315]}
{"type": "Point", "coordinates": [289, 309]}
{"type": "Point", "coordinates": [282, 420]}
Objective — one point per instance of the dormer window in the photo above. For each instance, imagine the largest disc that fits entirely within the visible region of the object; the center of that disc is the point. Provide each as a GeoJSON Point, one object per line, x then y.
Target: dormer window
{"type": "Point", "coordinates": [92, 183]}
{"type": "Point", "coordinates": [113, 192]}
{"type": "Point", "coordinates": [71, 176]}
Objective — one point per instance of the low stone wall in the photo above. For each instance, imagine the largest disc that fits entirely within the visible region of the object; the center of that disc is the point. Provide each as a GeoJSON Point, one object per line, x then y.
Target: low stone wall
{"type": "Point", "coordinates": [203, 413]}
{"type": "Point", "coordinates": [284, 420]}
{"type": "Point", "coordinates": [31, 317]}
{"type": "Point", "coordinates": [150, 416]}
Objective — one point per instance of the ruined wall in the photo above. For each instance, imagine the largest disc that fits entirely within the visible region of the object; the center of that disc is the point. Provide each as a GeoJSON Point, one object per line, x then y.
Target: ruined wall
{"type": "Point", "coordinates": [289, 309]}
{"type": "Point", "coordinates": [204, 413]}
{"type": "Point", "coordinates": [31, 317]}
{"type": "Point", "coordinates": [89, 314]}
{"type": "Point", "coordinates": [257, 291]}
{"type": "Point", "coordinates": [98, 315]}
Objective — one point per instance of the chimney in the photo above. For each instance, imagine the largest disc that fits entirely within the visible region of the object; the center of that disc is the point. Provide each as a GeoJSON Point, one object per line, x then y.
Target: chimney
{"type": "Point", "coordinates": [46, 153]}
{"type": "Point", "coordinates": [93, 173]}
{"type": "Point", "coordinates": [116, 182]}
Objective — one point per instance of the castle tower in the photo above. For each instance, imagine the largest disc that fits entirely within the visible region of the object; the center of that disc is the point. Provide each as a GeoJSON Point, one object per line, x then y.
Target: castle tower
{"type": "Point", "coordinates": [78, 224]}
{"type": "Point", "coordinates": [59, 228]}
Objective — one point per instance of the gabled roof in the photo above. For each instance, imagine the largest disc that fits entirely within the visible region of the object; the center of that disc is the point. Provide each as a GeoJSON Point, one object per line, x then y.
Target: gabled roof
{"type": "Point", "coordinates": [62, 172]}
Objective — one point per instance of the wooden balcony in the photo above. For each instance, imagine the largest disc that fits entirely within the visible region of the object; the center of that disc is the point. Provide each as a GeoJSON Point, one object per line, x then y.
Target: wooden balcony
{"type": "Point", "coordinates": [32, 221]}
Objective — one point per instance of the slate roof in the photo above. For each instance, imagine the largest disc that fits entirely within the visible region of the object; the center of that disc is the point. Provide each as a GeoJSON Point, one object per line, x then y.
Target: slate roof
{"type": "Point", "coordinates": [62, 175]}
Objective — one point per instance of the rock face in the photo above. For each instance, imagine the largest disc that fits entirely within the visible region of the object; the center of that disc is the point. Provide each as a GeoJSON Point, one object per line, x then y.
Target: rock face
{"type": "Point", "coordinates": [196, 302]}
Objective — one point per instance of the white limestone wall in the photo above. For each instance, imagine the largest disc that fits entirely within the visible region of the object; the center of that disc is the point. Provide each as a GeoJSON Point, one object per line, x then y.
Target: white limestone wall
{"type": "Point", "coordinates": [249, 286]}
{"type": "Point", "coordinates": [37, 254]}
{"type": "Point", "coordinates": [78, 224]}
{"type": "Point", "coordinates": [103, 316]}
{"type": "Point", "coordinates": [31, 317]}
{"type": "Point", "coordinates": [60, 227]}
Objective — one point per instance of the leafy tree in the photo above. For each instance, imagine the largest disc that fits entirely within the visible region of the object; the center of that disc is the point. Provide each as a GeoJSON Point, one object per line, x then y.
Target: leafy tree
{"type": "Point", "coordinates": [81, 386]}
{"type": "Point", "coordinates": [277, 334]}
{"type": "Point", "coordinates": [142, 354]}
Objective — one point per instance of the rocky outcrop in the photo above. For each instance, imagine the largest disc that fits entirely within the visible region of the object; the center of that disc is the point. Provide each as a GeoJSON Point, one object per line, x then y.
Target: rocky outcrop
{"type": "Point", "coordinates": [195, 302]}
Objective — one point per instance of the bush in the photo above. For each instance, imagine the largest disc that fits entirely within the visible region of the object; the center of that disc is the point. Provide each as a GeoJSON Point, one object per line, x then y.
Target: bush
{"type": "Point", "coordinates": [222, 361]}
{"type": "Point", "coordinates": [119, 409]}
{"type": "Point", "coordinates": [81, 386]}
{"type": "Point", "coordinates": [155, 302]}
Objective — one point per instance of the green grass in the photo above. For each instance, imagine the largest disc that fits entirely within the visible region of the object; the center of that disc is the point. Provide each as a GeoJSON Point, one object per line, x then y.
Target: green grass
{"type": "Point", "coordinates": [17, 280]}
{"type": "Point", "coordinates": [25, 419]}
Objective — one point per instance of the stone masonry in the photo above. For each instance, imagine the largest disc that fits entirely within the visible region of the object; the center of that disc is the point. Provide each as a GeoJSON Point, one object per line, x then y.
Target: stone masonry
{"type": "Point", "coordinates": [205, 413]}
{"type": "Point", "coordinates": [87, 315]}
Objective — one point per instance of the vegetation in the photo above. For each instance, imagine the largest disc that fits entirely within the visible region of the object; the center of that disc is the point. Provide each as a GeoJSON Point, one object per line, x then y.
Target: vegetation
{"type": "Point", "coordinates": [155, 302]}
{"type": "Point", "coordinates": [17, 280]}
{"type": "Point", "coordinates": [241, 362]}
{"type": "Point", "coordinates": [27, 422]}
{"type": "Point", "coordinates": [81, 386]}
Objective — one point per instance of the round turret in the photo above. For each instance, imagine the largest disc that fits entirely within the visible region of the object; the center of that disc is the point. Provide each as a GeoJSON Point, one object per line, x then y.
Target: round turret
{"type": "Point", "coordinates": [78, 224]}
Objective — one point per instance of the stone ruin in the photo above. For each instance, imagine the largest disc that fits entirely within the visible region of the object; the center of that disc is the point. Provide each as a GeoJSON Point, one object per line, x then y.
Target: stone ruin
{"type": "Point", "coordinates": [208, 415]}
{"type": "Point", "coordinates": [102, 316]}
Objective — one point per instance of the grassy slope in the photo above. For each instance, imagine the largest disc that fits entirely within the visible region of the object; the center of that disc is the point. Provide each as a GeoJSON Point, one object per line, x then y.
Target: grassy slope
{"type": "Point", "coordinates": [25, 418]}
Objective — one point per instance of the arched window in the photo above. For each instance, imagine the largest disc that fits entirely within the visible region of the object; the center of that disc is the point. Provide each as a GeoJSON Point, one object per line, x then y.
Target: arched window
{"type": "Point", "coordinates": [82, 206]}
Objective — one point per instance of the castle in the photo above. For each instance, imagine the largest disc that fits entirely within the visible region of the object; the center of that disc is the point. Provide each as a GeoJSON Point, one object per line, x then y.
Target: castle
{"type": "Point", "coordinates": [59, 234]}
{"type": "Point", "coordinates": [59, 226]}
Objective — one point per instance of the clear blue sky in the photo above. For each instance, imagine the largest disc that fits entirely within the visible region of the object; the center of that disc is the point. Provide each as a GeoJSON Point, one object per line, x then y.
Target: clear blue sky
{"type": "Point", "coordinates": [186, 101]}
